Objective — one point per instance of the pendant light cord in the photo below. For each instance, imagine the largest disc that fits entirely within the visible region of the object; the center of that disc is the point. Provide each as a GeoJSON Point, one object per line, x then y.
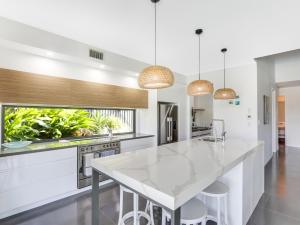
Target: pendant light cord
{"type": "Point", "coordinates": [224, 68]}
{"type": "Point", "coordinates": [199, 57]}
{"type": "Point", "coordinates": [155, 34]}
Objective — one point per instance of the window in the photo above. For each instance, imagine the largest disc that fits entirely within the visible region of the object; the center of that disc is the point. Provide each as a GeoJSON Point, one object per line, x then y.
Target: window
{"type": "Point", "coordinates": [45, 123]}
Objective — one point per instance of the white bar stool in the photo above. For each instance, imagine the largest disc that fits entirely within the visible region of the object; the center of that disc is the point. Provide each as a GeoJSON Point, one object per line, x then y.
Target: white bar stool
{"type": "Point", "coordinates": [149, 209]}
{"type": "Point", "coordinates": [219, 191]}
{"type": "Point", "coordinates": [136, 214]}
{"type": "Point", "coordinates": [192, 213]}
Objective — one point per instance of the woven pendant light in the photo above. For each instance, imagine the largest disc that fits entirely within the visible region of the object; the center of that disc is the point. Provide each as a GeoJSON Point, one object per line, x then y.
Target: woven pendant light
{"type": "Point", "coordinates": [155, 76]}
{"type": "Point", "coordinates": [224, 93]}
{"type": "Point", "coordinates": [200, 87]}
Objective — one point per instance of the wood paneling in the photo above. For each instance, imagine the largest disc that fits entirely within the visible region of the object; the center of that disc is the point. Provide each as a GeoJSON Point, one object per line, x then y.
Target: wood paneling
{"type": "Point", "coordinates": [27, 88]}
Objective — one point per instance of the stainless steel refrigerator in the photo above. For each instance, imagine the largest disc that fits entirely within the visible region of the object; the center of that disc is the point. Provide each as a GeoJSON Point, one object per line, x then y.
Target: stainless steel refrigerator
{"type": "Point", "coordinates": [167, 123]}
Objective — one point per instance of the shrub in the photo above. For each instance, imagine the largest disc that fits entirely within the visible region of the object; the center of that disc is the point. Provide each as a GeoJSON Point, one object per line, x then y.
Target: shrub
{"type": "Point", "coordinates": [43, 123]}
{"type": "Point", "coordinates": [101, 123]}
{"type": "Point", "coordinates": [51, 123]}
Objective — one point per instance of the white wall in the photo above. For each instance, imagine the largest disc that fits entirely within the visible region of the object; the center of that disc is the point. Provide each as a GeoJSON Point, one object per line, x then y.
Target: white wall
{"type": "Point", "coordinates": [280, 70]}
{"type": "Point", "coordinates": [12, 59]}
{"type": "Point", "coordinates": [287, 67]}
{"type": "Point", "coordinates": [17, 60]}
{"type": "Point", "coordinates": [244, 81]}
{"type": "Point", "coordinates": [203, 118]}
{"type": "Point", "coordinates": [24, 48]}
{"type": "Point", "coordinates": [292, 115]}
{"type": "Point", "coordinates": [40, 42]}
{"type": "Point", "coordinates": [147, 118]}
{"type": "Point", "coordinates": [287, 76]}
{"type": "Point", "coordinates": [29, 49]}
{"type": "Point", "coordinates": [265, 86]}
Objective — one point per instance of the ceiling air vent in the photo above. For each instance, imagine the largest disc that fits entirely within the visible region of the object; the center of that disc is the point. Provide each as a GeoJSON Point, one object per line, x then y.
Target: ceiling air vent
{"type": "Point", "coordinates": [96, 55]}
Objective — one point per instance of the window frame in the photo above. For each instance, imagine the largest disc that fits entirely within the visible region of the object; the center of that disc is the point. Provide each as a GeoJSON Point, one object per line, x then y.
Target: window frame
{"type": "Point", "coordinates": [3, 106]}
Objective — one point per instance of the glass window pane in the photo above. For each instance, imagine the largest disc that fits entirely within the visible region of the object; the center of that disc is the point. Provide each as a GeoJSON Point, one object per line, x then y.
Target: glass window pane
{"type": "Point", "coordinates": [39, 123]}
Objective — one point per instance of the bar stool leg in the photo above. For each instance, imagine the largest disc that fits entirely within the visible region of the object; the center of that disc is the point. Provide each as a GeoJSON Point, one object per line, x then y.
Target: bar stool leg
{"type": "Point", "coordinates": [204, 221]}
{"type": "Point", "coordinates": [163, 218]}
{"type": "Point", "coordinates": [204, 199]}
{"type": "Point", "coordinates": [121, 207]}
{"type": "Point", "coordinates": [226, 209]}
{"type": "Point", "coordinates": [219, 211]}
{"type": "Point", "coordinates": [151, 213]}
{"type": "Point", "coordinates": [135, 209]}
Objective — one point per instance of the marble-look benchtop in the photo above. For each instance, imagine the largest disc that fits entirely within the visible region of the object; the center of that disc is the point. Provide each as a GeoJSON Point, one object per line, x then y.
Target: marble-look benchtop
{"type": "Point", "coordinates": [174, 173]}
{"type": "Point", "coordinates": [54, 145]}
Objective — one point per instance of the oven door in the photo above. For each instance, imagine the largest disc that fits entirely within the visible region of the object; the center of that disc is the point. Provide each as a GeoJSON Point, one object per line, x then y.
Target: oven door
{"type": "Point", "coordinates": [87, 158]}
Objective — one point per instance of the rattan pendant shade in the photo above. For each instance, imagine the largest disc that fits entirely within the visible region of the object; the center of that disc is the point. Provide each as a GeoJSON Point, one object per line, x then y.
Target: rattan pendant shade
{"type": "Point", "coordinates": [155, 76]}
{"type": "Point", "coordinates": [224, 93]}
{"type": "Point", "coordinates": [200, 87]}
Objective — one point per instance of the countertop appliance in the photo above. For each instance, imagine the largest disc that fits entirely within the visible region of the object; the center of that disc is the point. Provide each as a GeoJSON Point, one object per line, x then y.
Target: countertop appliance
{"type": "Point", "coordinates": [167, 123]}
{"type": "Point", "coordinates": [88, 152]}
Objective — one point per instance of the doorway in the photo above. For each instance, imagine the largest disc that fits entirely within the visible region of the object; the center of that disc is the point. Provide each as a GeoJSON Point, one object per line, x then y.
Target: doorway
{"type": "Point", "coordinates": [281, 121]}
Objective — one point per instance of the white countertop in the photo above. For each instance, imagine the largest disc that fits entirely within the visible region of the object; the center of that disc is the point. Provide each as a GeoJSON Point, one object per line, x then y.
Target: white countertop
{"type": "Point", "coordinates": [174, 173]}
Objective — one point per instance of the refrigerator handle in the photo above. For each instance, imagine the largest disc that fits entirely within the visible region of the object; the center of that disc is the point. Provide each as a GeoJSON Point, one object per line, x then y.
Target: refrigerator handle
{"type": "Point", "coordinates": [171, 129]}
{"type": "Point", "coordinates": [166, 116]}
{"type": "Point", "coordinates": [168, 130]}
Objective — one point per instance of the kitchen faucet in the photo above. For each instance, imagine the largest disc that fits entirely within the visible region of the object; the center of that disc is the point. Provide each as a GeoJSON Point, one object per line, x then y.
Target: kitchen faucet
{"type": "Point", "coordinates": [223, 134]}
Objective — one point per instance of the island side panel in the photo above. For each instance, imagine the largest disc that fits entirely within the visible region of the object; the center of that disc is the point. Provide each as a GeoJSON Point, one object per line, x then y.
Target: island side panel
{"type": "Point", "coordinates": [246, 186]}
{"type": "Point", "coordinates": [234, 180]}
{"type": "Point", "coordinates": [253, 187]}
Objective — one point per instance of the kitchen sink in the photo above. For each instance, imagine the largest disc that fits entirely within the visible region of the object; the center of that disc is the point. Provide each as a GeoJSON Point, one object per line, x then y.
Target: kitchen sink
{"type": "Point", "coordinates": [211, 139]}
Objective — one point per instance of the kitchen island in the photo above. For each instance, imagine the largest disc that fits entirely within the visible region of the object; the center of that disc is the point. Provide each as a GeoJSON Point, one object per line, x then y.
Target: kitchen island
{"type": "Point", "coordinates": [172, 174]}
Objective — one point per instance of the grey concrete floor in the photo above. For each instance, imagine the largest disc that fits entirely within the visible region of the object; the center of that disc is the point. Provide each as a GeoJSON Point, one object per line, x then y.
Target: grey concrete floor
{"type": "Point", "coordinates": [280, 205]}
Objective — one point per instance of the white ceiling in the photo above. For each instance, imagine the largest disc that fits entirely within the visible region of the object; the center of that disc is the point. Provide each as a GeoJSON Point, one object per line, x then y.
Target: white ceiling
{"type": "Point", "coordinates": [249, 29]}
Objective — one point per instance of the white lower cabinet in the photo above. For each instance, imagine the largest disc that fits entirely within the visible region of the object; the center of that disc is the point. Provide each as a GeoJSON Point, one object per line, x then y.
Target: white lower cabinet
{"type": "Point", "coordinates": [136, 144]}
{"type": "Point", "coordinates": [29, 180]}
{"type": "Point", "coordinates": [34, 179]}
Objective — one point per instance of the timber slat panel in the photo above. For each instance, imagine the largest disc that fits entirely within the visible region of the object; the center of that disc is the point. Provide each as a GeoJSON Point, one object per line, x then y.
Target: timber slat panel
{"type": "Point", "coordinates": [28, 88]}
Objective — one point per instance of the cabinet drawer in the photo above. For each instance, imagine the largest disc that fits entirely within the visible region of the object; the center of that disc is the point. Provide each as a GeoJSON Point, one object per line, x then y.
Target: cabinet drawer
{"type": "Point", "coordinates": [20, 177]}
{"type": "Point", "coordinates": [136, 144]}
{"type": "Point", "coordinates": [30, 194]}
{"type": "Point", "coordinates": [30, 159]}
{"type": "Point", "coordinates": [26, 180]}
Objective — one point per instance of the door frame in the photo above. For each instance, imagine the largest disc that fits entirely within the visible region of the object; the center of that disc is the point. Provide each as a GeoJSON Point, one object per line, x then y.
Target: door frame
{"type": "Point", "coordinates": [274, 120]}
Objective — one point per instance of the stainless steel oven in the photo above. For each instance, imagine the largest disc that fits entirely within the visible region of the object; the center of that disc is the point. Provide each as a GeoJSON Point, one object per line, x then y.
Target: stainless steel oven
{"type": "Point", "coordinates": [88, 152]}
